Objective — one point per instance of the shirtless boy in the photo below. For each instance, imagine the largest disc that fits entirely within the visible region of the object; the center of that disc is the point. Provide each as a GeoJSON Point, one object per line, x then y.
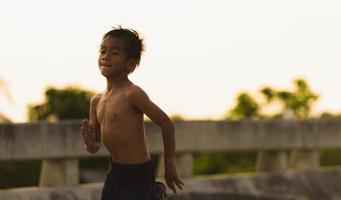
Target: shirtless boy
{"type": "Point", "coordinates": [116, 119]}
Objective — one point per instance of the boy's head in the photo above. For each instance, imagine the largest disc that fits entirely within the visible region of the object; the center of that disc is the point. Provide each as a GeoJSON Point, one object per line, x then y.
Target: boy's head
{"type": "Point", "coordinates": [133, 44]}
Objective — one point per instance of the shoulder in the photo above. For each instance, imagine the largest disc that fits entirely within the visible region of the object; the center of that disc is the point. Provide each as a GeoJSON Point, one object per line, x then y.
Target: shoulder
{"type": "Point", "coordinates": [135, 92]}
{"type": "Point", "coordinates": [95, 99]}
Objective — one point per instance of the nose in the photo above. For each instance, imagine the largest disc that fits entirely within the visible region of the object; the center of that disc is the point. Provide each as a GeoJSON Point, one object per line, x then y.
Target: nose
{"type": "Point", "coordinates": [105, 56]}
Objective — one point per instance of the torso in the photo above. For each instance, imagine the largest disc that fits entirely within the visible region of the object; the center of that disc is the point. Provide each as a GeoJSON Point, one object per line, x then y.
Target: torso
{"type": "Point", "coordinates": [122, 127]}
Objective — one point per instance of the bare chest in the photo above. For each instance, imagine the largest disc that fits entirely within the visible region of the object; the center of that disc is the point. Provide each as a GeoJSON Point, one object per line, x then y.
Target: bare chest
{"type": "Point", "coordinates": [114, 109]}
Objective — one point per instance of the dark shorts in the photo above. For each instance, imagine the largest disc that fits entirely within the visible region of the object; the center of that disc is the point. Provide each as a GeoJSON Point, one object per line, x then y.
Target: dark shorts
{"type": "Point", "coordinates": [129, 182]}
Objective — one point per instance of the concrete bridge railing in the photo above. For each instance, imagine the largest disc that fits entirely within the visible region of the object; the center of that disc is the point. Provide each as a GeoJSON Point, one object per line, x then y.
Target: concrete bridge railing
{"type": "Point", "coordinates": [280, 144]}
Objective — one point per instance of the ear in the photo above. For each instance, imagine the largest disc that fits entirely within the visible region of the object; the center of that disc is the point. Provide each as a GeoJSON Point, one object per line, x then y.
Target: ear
{"type": "Point", "coordinates": [131, 65]}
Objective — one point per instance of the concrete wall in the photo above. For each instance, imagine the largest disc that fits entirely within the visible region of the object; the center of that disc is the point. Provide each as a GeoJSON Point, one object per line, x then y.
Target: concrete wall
{"type": "Point", "coordinates": [60, 145]}
{"type": "Point", "coordinates": [63, 139]}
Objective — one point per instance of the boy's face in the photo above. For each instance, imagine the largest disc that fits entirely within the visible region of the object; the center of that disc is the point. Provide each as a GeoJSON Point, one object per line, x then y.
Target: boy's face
{"type": "Point", "coordinates": [112, 58]}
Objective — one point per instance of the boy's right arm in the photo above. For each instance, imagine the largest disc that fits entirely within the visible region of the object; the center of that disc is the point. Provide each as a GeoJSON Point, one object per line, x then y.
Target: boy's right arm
{"type": "Point", "coordinates": [90, 128]}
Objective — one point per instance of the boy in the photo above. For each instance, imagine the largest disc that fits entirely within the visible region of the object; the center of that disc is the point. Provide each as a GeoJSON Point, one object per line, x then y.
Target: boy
{"type": "Point", "coordinates": [116, 119]}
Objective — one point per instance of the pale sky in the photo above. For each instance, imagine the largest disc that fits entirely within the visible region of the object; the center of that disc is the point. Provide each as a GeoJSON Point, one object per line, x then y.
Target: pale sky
{"type": "Point", "coordinates": [199, 54]}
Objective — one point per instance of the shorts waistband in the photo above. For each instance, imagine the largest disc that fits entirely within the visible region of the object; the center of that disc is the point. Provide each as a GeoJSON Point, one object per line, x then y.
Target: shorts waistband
{"type": "Point", "coordinates": [138, 166]}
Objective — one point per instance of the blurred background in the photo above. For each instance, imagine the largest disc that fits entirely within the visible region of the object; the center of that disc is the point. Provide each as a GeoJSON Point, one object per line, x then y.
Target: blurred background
{"type": "Point", "coordinates": [204, 60]}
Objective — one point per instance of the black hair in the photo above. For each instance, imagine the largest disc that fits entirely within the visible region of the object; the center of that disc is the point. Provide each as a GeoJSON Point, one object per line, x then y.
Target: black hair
{"type": "Point", "coordinates": [133, 42]}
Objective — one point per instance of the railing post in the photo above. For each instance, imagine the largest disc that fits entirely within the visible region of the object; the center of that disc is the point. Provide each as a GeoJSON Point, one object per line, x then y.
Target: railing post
{"type": "Point", "coordinates": [160, 171]}
{"type": "Point", "coordinates": [274, 160]}
{"type": "Point", "coordinates": [271, 161]}
{"type": "Point", "coordinates": [59, 172]}
{"type": "Point", "coordinates": [304, 159]}
{"type": "Point", "coordinates": [184, 163]}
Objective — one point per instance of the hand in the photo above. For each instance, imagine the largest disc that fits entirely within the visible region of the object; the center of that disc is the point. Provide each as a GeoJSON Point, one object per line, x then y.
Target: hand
{"type": "Point", "coordinates": [88, 133]}
{"type": "Point", "coordinates": [172, 178]}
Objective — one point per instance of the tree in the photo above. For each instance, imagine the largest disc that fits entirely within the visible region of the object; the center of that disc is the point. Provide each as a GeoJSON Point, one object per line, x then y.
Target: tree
{"type": "Point", "coordinates": [246, 108]}
{"type": "Point", "coordinates": [67, 103]}
{"type": "Point", "coordinates": [299, 101]}
{"type": "Point", "coordinates": [177, 117]}
{"type": "Point", "coordinates": [327, 115]}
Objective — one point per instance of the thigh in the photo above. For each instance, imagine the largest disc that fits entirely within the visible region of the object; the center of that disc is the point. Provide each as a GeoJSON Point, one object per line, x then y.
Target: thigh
{"type": "Point", "coordinates": [137, 186]}
{"type": "Point", "coordinates": [109, 189]}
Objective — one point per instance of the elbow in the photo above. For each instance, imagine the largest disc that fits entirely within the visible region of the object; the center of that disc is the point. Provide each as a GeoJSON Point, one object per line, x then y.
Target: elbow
{"type": "Point", "coordinates": [169, 126]}
{"type": "Point", "coordinates": [165, 123]}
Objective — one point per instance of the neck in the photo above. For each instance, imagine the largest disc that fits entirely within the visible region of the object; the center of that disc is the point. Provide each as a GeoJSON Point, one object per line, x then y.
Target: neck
{"type": "Point", "coordinates": [117, 82]}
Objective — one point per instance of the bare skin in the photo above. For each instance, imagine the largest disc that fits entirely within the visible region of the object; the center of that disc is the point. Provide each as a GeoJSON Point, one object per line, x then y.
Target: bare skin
{"type": "Point", "coordinates": [116, 115]}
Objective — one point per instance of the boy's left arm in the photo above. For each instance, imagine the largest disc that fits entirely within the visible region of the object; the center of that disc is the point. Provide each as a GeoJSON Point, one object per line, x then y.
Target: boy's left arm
{"type": "Point", "coordinates": [140, 99]}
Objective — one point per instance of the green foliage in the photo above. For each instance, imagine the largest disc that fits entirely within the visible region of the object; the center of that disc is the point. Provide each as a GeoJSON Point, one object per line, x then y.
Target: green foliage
{"type": "Point", "coordinates": [233, 162]}
{"type": "Point", "coordinates": [330, 157]}
{"type": "Point", "coordinates": [227, 162]}
{"type": "Point", "coordinates": [177, 117]}
{"type": "Point", "coordinates": [246, 108]}
{"type": "Point", "coordinates": [19, 173]}
{"type": "Point", "coordinates": [93, 163]}
{"type": "Point", "coordinates": [68, 103]}
{"type": "Point", "coordinates": [299, 101]}
{"type": "Point", "coordinates": [327, 115]}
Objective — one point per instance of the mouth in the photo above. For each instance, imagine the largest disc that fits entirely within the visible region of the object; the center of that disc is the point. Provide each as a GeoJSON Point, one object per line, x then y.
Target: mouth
{"type": "Point", "coordinates": [105, 65]}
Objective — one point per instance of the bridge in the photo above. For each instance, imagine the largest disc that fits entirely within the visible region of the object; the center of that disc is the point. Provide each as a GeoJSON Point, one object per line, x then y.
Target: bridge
{"type": "Point", "coordinates": [287, 164]}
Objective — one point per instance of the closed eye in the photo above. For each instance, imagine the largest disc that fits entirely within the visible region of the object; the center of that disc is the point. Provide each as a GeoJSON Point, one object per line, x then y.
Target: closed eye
{"type": "Point", "coordinates": [115, 52]}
